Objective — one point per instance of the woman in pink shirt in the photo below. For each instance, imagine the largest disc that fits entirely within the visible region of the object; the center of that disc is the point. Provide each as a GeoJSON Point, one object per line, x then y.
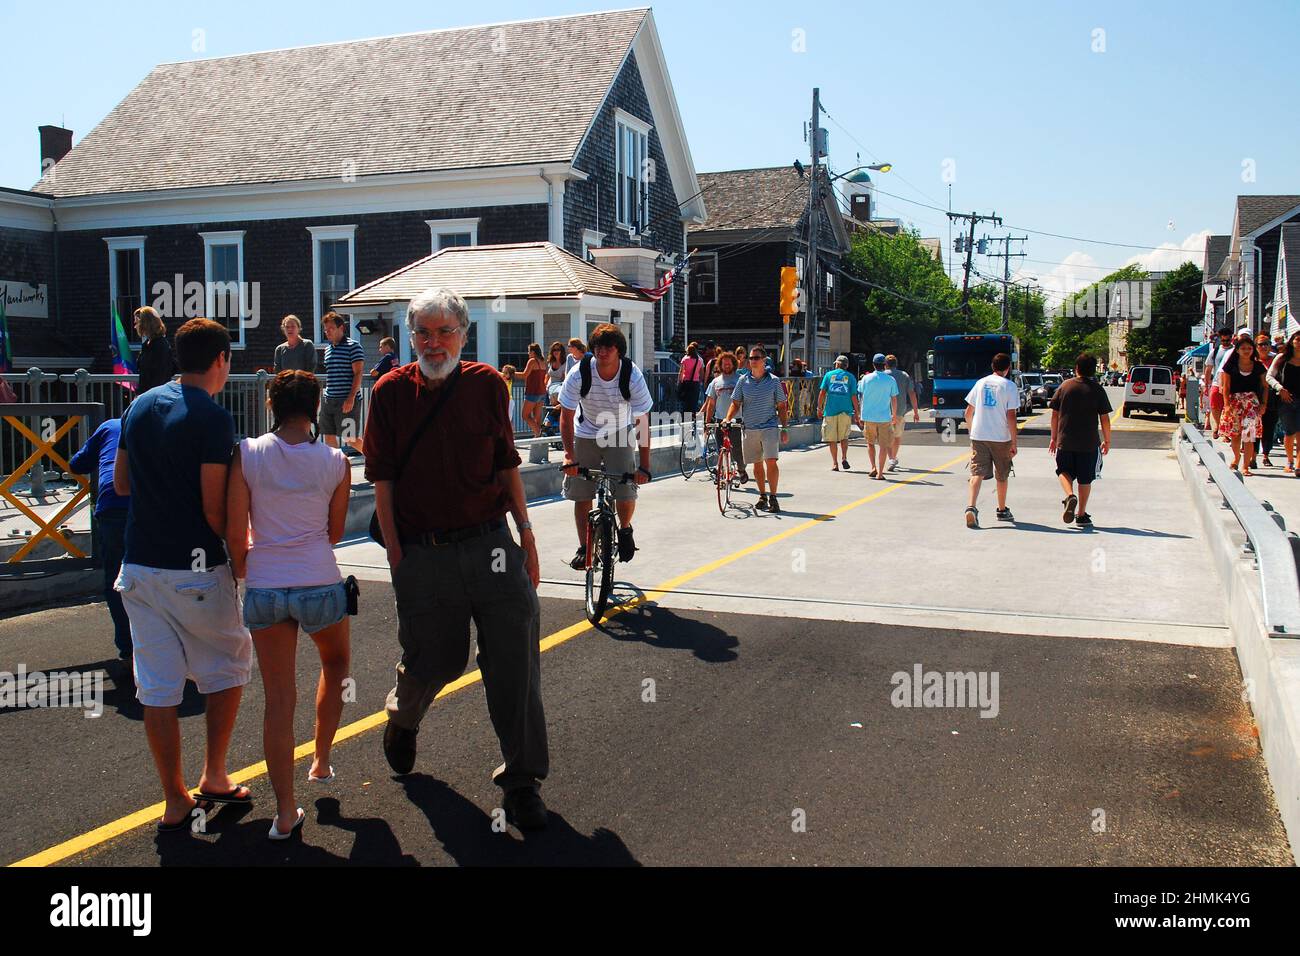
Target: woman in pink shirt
{"type": "Point", "coordinates": [287, 501]}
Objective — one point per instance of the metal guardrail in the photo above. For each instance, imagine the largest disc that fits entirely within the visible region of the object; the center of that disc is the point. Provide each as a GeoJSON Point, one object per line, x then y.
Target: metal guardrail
{"type": "Point", "coordinates": [1266, 538]}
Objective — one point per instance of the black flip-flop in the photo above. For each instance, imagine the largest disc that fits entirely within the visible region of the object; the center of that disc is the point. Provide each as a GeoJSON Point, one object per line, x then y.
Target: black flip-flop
{"type": "Point", "coordinates": [186, 822]}
{"type": "Point", "coordinates": [230, 796]}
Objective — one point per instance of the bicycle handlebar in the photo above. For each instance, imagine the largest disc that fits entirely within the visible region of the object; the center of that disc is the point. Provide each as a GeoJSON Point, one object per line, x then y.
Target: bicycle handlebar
{"type": "Point", "coordinates": [597, 474]}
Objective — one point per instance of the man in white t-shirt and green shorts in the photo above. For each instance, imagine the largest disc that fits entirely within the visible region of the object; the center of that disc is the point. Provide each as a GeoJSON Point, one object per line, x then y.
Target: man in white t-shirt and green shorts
{"type": "Point", "coordinates": [991, 407]}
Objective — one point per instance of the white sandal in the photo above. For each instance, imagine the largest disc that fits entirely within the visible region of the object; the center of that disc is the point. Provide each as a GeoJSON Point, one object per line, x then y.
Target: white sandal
{"type": "Point", "coordinates": [274, 834]}
{"type": "Point", "coordinates": [327, 779]}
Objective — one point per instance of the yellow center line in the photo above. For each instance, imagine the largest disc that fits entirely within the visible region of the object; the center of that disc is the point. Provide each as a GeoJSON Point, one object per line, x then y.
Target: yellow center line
{"type": "Point", "coordinates": [153, 813]}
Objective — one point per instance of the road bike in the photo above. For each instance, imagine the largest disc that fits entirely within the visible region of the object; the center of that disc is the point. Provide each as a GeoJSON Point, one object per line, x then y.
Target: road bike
{"type": "Point", "coordinates": [602, 532]}
{"type": "Point", "coordinates": [695, 451]}
{"type": "Point", "coordinates": [726, 476]}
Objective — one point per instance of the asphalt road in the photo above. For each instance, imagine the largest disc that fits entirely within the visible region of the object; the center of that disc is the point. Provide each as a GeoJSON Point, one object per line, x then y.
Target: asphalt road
{"type": "Point", "coordinates": [758, 724]}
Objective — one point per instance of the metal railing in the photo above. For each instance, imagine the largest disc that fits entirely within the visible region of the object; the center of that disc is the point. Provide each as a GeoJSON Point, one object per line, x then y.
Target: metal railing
{"type": "Point", "coordinates": [1266, 538]}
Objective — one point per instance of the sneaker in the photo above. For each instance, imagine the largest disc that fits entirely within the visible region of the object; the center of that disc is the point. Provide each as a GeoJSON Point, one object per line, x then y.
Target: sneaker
{"type": "Point", "coordinates": [845, 464]}
{"type": "Point", "coordinates": [525, 809]}
{"type": "Point", "coordinates": [579, 562]}
{"type": "Point", "coordinates": [772, 506]}
{"type": "Point", "coordinates": [893, 464]}
{"type": "Point", "coordinates": [744, 476]}
{"type": "Point", "coordinates": [1083, 520]}
{"type": "Point", "coordinates": [972, 518]}
{"type": "Point", "coordinates": [399, 748]}
{"type": "Point", "coordinates": [1070, 503]}
{"type": "Point", "coordinates": [1004, 514]}
{"type": "Point", "coordinates": [626, 546]}
{"type": "Point", "coordinates": [1267, 463]}
{"type": "Point", "coordinates": [762, 503]}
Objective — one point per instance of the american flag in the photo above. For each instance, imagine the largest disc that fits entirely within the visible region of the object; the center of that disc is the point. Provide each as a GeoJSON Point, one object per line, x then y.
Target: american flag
{"type": "Point", "coordinates": [666, 283]}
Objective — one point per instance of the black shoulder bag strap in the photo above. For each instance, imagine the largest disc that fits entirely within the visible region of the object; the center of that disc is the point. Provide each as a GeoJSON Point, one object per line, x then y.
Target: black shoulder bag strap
{"type": "Point", "coordinates": [376, 533]}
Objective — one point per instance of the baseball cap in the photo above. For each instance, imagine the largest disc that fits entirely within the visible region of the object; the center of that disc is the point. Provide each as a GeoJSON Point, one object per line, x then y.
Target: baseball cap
{"type": "Point", "coordinates": [841, 360]}
{"type": "Point", "coordinates": [878, 358]}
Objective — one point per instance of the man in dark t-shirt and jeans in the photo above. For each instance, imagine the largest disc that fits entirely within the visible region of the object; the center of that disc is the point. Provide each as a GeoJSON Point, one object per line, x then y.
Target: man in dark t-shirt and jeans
{"type": "Point", "coordinates": [175, 581]}
{"type": "Point", "coordinates": [1078, 407]}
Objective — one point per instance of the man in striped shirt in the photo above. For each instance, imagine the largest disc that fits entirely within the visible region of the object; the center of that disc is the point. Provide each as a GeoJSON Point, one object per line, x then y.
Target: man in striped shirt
{"type": "Point", "coordinates": [340, 406]}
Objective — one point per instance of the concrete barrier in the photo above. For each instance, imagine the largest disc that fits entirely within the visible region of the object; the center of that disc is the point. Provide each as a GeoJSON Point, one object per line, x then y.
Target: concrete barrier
{"type": "Point", "coordinates": [1270, 665]}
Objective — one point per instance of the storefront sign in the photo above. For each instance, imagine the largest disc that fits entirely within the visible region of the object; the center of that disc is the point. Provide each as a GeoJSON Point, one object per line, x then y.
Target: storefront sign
{"type": "Point", "coordinates": [21, 299]}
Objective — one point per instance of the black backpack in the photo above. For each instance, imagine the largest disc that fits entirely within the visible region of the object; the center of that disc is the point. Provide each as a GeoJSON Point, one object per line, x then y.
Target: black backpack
{"type": "Point", "coordinates": [624, 379]}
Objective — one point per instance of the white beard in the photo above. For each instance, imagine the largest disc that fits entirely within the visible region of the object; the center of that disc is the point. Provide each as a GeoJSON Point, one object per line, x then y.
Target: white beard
{"type": "Point", "coordinates": [437, 371]}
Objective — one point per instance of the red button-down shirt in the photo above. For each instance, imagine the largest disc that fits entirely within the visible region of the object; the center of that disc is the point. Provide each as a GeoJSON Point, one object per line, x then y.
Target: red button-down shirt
{"type": "Point", "coordinates": [453, 478]}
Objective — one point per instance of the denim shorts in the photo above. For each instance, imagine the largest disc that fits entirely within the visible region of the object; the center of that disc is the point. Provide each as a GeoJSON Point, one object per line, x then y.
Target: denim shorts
{"type": "Point", "coordinates": [314, 608]}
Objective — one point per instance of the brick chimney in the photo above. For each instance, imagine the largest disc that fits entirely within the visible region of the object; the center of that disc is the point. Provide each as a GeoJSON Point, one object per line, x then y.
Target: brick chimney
{"type": "Point", "coordinates": [56, 142]}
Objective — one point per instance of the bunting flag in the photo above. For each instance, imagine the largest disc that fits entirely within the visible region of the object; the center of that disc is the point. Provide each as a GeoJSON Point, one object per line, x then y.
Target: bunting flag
{"type": "Point", "coordinates": [120, 347]}
{"type": "Point", "coordinates": [6, 352]}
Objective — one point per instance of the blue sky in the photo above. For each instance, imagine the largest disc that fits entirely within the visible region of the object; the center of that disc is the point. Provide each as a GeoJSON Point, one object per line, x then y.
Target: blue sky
{"type": "Point", "coordinates": [1137, 134]}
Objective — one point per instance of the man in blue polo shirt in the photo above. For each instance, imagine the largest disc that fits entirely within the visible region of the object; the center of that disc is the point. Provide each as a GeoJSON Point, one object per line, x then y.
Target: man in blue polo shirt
{"type": "Point", "coordinates": [879, 394]}
{"type": "Point", "coordinates": [761, 401]}
{"type": "Point", "coordinates": [838, 407]}
{"type": "Point", "coordinates": [176, 582]}
{"type": "Point", "coordinates": [340, 404]}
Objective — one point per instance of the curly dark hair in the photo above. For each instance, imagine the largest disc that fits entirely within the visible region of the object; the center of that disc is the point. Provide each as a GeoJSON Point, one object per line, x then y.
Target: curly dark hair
{"type": "Point", "coordinates": [294, 394]}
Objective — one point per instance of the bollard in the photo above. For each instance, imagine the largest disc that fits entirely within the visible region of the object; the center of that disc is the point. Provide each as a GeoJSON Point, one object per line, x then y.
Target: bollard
{"type": "Point", "coordinates": [81, 378]}
{"type": "Point", "coordinates": [539, 453]}
{"type": "Point", "coordinates": [263, 422]}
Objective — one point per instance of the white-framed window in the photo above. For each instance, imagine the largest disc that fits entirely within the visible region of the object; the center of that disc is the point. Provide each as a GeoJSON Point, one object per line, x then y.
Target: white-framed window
{"type": "Point", "coordinates": [223, 282]}
{"type": "Point", "coordinates": [632, 171]}
{"type": "Point", "coordinates": [333, 268]}
{"type": "Point", "coordinates": [452, 232]}
{"type": "Point", "coordinates": [126, 280]}
{"type": "Point", "coordinates": [591, 239]}
{"type": "Point", "coordinates": [704, 279]}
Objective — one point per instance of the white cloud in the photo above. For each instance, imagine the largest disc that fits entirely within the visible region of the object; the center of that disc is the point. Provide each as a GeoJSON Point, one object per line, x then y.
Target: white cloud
{"type": "Point", "coordinates": [1169, 256]}
{"type": "Point", "coordinates": [1079, 269]}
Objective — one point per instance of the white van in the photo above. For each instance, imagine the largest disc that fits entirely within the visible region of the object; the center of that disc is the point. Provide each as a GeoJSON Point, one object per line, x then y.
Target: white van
{"type": "Point", "coordinates": [1150, 388]}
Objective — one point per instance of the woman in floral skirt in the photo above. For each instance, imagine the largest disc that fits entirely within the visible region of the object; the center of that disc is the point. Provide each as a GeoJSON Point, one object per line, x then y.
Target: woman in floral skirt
{"type": "Point", "coordinates": [1242, 381]}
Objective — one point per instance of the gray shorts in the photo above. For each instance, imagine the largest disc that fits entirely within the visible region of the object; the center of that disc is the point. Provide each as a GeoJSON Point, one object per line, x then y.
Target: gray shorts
{"type": "Point", "coordinates": [762, 444]}
{"type": "Point", "coordinates": [619, 460]}
{"type": "Point", "coordinates": [332, 421]}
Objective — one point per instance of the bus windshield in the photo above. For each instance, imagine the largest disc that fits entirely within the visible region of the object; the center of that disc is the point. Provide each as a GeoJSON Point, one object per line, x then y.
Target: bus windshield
{"type": "Point", "coordinates": [962, 364]}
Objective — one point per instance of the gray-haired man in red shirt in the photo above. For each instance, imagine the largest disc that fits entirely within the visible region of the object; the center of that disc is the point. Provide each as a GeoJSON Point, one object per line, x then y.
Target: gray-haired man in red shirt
{"type": "Point", "coordinates": [440, 450]}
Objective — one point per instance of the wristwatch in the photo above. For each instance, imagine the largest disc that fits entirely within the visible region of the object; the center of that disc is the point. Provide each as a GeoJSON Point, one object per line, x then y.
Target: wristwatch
{"type": "Point", "coordinates": [522, 526]}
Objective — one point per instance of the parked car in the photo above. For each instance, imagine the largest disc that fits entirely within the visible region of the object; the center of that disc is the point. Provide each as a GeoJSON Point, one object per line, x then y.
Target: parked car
{"type": "Point", "coordinates": [1150, 388]}
{"type": "Point", "coordinates": [1026, 394]}
{"type": "Point", "coordinates": [1031, 381]}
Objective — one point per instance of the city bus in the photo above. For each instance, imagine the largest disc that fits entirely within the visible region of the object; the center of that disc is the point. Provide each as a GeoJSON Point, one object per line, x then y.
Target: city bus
{"type": "Point", "coordinates": [956, 363]}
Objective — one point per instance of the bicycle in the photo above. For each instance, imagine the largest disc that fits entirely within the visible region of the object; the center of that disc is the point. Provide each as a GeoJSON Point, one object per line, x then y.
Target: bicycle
{"type": "Point", "coordinates": [693, 450]}
{"type": "Point", "coordinates": [602, 552]}
{"type": "Point", "coordinates": [725, 475]}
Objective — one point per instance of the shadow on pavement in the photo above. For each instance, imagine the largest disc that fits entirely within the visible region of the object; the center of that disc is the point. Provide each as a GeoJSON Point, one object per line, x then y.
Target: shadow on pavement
{"type": "Point", "coordinates": [466, 833]}
{"type": "Point", "coordinates": [238, 838]}
{"type": "Point", "coordinates": [660, 628]}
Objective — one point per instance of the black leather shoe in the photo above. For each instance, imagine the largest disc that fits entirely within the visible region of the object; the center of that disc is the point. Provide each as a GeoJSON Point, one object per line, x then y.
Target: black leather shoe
{"type": "Point", "coordinates": [399, 748]}
{"type": "Point", "coordinates": [525, 809]}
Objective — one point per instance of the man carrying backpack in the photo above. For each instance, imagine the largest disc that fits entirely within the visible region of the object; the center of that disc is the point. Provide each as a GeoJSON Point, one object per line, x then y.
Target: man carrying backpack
{"type": "Point", "coordinates": [609, 395]}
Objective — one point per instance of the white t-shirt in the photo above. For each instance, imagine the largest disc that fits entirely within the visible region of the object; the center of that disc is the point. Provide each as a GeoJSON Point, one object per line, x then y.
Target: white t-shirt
{"type": "Point", "coordinates": [606, 415]}
{"type": "Point", "coordinates": [992, 397]}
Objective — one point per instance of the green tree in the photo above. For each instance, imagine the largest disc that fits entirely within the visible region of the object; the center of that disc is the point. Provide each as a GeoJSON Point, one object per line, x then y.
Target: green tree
{"type": "Point", "coordinates": [923, 304]}
{"type": "Point", "coordinates": [1175, 307]}
{"type": "Point", "coordinates": [1080, 323]}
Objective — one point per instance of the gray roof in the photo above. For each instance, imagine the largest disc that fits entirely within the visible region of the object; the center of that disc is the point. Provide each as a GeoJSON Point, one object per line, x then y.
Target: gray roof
{"type": "Point", "coordinates": [495, 95]}
{"type": "Point", "coordinates": [521, 270]}
{"type": "Point", "coordinates": [1216, 250]}
{"type": "Point", "coordinates": [1255, 211]}
{"type": "Point", "coordinates": [769, 198]}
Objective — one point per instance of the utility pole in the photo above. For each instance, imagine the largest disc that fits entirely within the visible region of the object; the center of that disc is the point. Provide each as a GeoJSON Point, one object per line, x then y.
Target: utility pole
{"type": "Point", "coordinates": [973, 218]}
{"type": "Point", "coordinates": [810, 271]}
{"type": "Point", "coordinates": [1006, 255]}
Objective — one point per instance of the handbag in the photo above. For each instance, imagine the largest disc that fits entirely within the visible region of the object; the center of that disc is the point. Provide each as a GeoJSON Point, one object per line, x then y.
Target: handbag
{"type": "Point", "coordinates": [376, 533]}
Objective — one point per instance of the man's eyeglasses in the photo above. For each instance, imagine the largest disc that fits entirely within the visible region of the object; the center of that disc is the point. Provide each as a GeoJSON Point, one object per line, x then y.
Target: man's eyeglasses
{"type": "Point", "coordinates": [445, 332]}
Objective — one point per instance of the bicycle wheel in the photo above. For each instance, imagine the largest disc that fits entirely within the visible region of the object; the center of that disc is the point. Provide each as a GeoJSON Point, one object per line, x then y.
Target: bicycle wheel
{"type": "Point", "coordinates": [711, 453]}
{"type": "Point", "coordinates": [722, 481]}
{"type": "Point", "coordinates": [600, 566]}
{"type": "Point", "coordinates": [690, 452]}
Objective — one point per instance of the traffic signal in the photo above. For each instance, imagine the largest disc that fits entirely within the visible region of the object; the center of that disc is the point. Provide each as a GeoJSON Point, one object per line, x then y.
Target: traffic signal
{"type": "Point", "coordinates": [789, 290]}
